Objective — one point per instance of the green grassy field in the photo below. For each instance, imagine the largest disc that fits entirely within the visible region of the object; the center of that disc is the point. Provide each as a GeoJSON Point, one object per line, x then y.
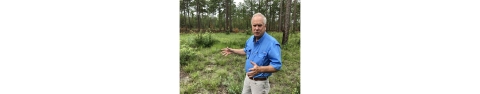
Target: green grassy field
{"type": "Point", "coordinates": [204, 70]}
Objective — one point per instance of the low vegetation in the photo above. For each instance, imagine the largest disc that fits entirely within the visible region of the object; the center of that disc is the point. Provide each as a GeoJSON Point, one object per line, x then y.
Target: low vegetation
{"type": "Point", "coordinates": [204, 70]}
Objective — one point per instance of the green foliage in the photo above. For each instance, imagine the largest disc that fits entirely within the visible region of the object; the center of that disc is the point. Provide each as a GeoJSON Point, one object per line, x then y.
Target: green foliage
{"type": "Point", "coordinates": [189, 68]}
{"type": "Point", "coordinates": [293, 42]}
{"type": "Point", "coordinates": [296, 90]}
{"type": "Point", "coordinates": [194, 75]}
{"type": "Point", "coordinates": [296, 38]}
{"type": "Point", "coordinates": [205, 40]}
{"type": "Point", "coordinates": [189, 89]}
{"type": "Point", "coordinates": [210, 83]}
{"type": "Point", "coordinates": [235, 89]}
{"type": "Point", "coordinates": [240, 13]}
{"type": "Point", "coordinates": [188, 41]}
{"type": "Point", "coordinates": [235, 43]}
{"type": "Point", "coordinates": [248, 32]}
{"type": "Point", "coordinates": [193, 66]}
{"type": "Point", "coordinates": [211, 73]}
{"type": "Point", "coordinates": [221, 62]}
{"type": "Point", "coordinates": [186, 53]}
{"type": "Point", "coordinates": [221, 72]}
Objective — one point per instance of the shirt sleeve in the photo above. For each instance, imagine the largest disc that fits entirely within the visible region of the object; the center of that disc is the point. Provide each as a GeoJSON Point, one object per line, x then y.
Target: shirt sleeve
{"type": "Point", "coordinates": [275, 57]}
{"type": "Point", "coordinates": [246, 45]}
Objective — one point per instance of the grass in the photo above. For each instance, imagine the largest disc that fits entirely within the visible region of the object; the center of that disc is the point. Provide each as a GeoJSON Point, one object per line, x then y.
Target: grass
{"type": "Point", "coordinates": [206, 71]}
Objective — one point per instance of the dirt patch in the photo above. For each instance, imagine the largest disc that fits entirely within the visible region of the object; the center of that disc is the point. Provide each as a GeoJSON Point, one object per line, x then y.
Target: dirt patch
{"type": "Point", "coordinates": [271, 84]}
{"type": "Point", "coordinates": [222, 89]}
{"type": "Point", "coordinates": [184, 77]}
{"type": "Point", "coordinates": [183, 74]}
{"type": "Point", "coordinates": [209, 68]}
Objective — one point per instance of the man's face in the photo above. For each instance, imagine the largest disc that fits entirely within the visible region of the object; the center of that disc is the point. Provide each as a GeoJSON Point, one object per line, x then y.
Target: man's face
{"type": "Point", "coordinates": [258, 27]}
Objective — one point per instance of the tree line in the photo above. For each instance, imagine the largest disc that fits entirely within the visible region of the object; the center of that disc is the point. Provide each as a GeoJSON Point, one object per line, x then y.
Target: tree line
{"type": "Point", "coordinates": [226, 15]}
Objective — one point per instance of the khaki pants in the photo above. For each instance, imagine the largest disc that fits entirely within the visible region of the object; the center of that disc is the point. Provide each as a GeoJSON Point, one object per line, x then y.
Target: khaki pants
{"type": "Point", "coordinates": [255, 87]}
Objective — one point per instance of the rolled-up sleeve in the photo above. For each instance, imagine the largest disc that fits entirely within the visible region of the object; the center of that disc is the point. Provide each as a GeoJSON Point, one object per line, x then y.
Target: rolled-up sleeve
{"type": "Point", "coordinates": [246, 45]}
{"type": "Point", "coordinates": [275, 56]}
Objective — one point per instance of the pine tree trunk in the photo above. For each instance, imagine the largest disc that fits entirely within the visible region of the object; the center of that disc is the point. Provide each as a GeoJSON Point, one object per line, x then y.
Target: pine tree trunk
{"type": "Point", "coordinates": [295, 10]}
{"type": "Point", "coordinates": [226, 16]}
{"type": "Point", "coordinates": [198, 16]}
{"type": "Point", "coordinates": [272, 17]}
{"type": "Point", "coordinates": [188, 16]}
{"type": "Point", "coordinates": [185, 19]}
{"type": "Point", "coordinates": [267, 14]}
{"type": "Point", "coordinates": [230, 16]}
{"type": "Point", "coordinates": [286, 22]}
{"type": "Point", "coordinates": [280, 19]}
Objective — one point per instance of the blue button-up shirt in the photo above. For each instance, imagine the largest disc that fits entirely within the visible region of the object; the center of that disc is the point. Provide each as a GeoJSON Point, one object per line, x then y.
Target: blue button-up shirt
{"type": "Point", "coordinates": [266, 51]}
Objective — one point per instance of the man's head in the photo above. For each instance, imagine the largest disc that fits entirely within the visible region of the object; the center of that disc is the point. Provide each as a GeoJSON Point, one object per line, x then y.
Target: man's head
{"type": "Point", "coordinates": [258, 25]}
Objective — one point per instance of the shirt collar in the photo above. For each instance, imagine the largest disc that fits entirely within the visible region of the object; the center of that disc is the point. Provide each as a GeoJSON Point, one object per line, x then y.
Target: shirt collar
{"type": "Point", "coordinates": [261, 38]}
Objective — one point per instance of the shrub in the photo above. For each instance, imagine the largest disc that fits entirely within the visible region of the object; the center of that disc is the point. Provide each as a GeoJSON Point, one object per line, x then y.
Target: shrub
{"type": "Point", "coordinates": [186, 53]}
{"type": "Point", "coordinates": [248, 32]}
{"type": "Point", "coordinates": [205, 40]}
{"type": "Point", "coordinates": [188, 41]}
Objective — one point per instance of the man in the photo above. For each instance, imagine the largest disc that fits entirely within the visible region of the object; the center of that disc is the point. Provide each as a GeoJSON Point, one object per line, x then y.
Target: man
{"type": "Point", "coordinates": [263, 57]}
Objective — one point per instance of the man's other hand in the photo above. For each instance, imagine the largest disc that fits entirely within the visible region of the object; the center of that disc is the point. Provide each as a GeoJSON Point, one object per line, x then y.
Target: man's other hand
{"type": "Point", "coordinates": [254, 70]}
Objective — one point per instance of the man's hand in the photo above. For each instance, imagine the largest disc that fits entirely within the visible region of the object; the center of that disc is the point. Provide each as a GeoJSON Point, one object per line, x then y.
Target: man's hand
{"type": "Point", "coordinates": [254, 70]}
{"type": "Point", "coordinates": [226, 51]}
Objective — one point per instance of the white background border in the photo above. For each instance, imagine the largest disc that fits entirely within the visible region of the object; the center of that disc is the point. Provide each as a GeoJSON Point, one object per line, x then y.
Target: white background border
{"type": "Point", "coordinates": [348, 47]}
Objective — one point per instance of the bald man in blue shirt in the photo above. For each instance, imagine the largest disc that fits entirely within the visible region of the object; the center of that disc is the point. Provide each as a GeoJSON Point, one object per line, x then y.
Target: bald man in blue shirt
{"type": "Point", "coordinates": [263, 57]}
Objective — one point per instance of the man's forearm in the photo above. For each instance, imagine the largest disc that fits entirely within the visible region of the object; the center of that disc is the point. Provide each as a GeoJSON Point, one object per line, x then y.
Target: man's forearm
{"type": "Point", "coordinates": [266, 69]}
{"type": "Point", "coordinates": [238, 51]}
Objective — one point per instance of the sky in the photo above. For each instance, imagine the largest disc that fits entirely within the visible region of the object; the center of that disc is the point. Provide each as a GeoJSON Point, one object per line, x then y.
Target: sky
{"type": "Point", "coordinates": [237, 1]}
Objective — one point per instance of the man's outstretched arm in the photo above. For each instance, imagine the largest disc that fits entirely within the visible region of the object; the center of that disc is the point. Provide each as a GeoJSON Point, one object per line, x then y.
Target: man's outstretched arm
{"type": "Point", "coordinates": [227, 51]}
{"type": "Point", "coordinates": [238, 51]}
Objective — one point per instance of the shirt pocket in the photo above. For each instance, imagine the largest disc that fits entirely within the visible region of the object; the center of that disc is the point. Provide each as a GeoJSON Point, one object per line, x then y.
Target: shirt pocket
{"type": "Point", "coordinates": [262, 55]}
{"type": "Point", "coordinates": [261, 58]}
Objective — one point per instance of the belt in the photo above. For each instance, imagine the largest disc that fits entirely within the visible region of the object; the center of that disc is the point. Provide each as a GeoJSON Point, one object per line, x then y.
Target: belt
{"type": "Point", "coordinates": [258, 79]}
